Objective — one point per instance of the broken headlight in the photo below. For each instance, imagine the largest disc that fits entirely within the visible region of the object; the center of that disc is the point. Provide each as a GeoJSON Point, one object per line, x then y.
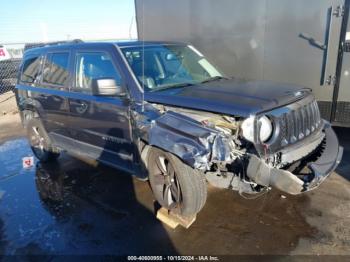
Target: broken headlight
{"type": "Point", "coordinates": [248, 129]}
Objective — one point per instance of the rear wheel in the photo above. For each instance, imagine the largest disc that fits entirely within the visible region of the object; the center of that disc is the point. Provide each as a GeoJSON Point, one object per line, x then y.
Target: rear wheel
{"type": "Point", "coordinates": [40, 141]}
{"type": "Point", "coordinates": [176, 186]}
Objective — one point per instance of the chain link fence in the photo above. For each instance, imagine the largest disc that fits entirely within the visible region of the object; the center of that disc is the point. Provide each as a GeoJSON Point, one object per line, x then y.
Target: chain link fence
{"type": "Point", "coordinates": [8, 74]}
{"type": "Point", "coordinates": [10, 59]}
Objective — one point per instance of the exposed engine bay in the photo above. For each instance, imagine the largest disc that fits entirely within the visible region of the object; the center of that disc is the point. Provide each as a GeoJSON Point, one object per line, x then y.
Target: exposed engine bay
{"type": "Point", "coordinates": [225, 174]}
{"type": "Point", "coordinates": [217, 145]}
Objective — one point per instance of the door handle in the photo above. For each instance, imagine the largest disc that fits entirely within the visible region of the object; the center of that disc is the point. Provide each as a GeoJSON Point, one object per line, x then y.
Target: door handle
{"type": "Point", "coordinates": [313, 41]}
{"type": "Point", "coordinates": [42, 96]}
{"type": "Point", "coordinates": [80, 106]}
{"type": "Point", "coordinates": [78, 103]}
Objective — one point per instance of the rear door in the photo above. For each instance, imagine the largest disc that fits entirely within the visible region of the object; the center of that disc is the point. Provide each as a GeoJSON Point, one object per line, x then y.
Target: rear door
{"type": "Point", "coordinates": [100, 125]}
{"type": "Point", "coordinates": [53, 97]}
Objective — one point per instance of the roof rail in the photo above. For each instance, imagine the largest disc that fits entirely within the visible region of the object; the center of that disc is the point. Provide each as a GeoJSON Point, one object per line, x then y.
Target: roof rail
{"type": "Point", "coordinates": [35, 45]}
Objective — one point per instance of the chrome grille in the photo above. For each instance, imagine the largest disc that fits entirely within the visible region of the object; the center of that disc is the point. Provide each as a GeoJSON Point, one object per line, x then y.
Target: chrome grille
{"type": "Point", "coordinates": [299, 123]}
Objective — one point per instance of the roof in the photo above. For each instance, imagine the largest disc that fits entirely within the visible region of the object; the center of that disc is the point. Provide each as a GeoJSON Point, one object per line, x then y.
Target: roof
{"type": "Point", "coordinates": [145, 43]}
{"type": "Point", "coordinates": [121, 44]}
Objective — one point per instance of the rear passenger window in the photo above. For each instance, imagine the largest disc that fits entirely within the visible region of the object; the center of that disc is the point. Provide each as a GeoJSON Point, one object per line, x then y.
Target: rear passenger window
{"type": "Point", "coordinates": [31, 69]}
{"type": "Point", "coordinates": [91, 66]}
{"type": "Point", "coordinates": [56, 69]}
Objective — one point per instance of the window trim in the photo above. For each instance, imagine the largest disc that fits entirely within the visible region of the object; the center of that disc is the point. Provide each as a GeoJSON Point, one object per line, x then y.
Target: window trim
{"type": "Point", "coordinates": [35, 82]}
{"type": "Point", "coordinates": [50, 85]}
{"type": "Point", "coordinates": [74, 89]}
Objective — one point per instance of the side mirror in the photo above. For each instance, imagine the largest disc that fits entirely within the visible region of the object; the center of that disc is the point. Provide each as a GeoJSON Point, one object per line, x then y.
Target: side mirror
{"type": "Point", "coordinates": [106, 87]}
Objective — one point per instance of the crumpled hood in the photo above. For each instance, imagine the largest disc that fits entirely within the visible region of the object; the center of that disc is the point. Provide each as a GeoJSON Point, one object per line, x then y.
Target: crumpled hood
{"type": "Point", "coordinates": [232, 97]}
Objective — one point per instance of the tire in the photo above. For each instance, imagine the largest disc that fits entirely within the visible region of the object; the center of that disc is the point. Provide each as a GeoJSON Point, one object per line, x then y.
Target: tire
{"type": "Point", "coordinates": [40, 142]}
{"type": "Point", "coordinates": [175, 185]}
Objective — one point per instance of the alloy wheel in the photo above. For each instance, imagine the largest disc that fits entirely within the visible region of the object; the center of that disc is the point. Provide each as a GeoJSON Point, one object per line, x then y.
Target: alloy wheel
{"type": "Point", "coordinates": [167, 183]}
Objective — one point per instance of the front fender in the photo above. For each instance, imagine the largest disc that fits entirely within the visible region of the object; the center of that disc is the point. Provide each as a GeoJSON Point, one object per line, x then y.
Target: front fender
{"type": "Point", "coordinates": [195, 144]}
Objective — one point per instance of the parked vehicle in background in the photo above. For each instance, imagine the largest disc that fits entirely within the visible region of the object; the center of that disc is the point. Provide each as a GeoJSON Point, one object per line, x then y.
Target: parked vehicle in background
{"type": "Point", "coordinates": [161, 111]}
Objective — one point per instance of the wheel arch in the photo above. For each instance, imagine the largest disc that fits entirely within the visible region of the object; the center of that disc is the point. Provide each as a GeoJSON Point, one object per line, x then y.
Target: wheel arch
{"type": "Point", "coordinates": [29, 109]}
{"type": "Point", "coordinates": [29, 114]}
{"type": "Point", "coordinates": [193, 143]}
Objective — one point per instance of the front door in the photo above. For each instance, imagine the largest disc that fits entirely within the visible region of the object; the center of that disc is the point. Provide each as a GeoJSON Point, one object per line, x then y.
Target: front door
{"type": "Point", "coordinates": [100, 125]}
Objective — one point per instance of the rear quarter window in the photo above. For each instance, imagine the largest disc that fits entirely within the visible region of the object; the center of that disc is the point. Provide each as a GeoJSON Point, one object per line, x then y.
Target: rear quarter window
{"type": "Point", "coordinates": [30, 69]}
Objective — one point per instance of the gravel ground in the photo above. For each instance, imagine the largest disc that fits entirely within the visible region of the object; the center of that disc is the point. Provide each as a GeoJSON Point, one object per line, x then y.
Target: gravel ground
{"type": "Point", "coordinates": [10, 126]}
{"type": "Point", "coordinates": [106, 212]}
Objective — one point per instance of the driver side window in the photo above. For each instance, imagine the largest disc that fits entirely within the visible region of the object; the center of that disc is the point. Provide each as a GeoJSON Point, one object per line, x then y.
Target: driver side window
{"type": "Point", "coordinates": [93, 65]}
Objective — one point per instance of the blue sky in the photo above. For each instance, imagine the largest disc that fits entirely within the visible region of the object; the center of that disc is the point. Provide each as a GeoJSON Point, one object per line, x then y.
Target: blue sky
{"type": "Point", "coordinates": [50, 20]}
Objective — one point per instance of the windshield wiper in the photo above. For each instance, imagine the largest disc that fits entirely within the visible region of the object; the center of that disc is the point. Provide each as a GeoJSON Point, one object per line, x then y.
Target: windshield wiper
{"type": "Point", "coordinates": [172, 86]}
{"type": "Point", "coordinates": [214, 78]}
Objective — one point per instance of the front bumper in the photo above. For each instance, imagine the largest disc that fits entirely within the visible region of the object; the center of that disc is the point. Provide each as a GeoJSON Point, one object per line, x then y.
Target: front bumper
{"type": "Point", "coordinates": [288, 182]}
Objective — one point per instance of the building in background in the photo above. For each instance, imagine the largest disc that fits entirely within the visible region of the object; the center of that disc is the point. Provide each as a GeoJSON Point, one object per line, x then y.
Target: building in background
{"type": "Point", "coordinates": [298, 42]}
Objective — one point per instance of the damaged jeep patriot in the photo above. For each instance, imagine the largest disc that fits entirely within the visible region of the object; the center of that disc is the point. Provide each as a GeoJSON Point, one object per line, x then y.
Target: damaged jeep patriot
{"type": "Point", "coordinates": [162, 112]}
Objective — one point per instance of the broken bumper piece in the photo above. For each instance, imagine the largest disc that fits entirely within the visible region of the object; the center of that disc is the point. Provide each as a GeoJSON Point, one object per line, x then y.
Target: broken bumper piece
{"type": "Point", "coordinates": [286, 181]}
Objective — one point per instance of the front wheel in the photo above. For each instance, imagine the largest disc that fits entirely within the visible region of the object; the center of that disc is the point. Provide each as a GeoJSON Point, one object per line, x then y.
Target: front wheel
{"type": "Point", "coordinates": [175, 185]}
{"type": "Point", "coordinates": [40, 141]}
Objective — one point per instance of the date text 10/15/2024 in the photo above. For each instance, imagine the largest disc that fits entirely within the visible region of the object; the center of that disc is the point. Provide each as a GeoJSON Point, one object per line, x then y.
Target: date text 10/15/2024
{"type": "Point", "coordinates": [173, 258]}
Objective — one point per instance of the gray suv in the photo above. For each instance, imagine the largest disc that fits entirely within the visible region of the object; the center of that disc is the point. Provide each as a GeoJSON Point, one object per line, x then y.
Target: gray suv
{"type": "Point", "coordinates": [164, 113]}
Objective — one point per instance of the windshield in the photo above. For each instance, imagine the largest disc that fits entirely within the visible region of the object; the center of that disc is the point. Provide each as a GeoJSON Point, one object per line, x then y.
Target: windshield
{"type": "Point", "coordinates": [167, 66]}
